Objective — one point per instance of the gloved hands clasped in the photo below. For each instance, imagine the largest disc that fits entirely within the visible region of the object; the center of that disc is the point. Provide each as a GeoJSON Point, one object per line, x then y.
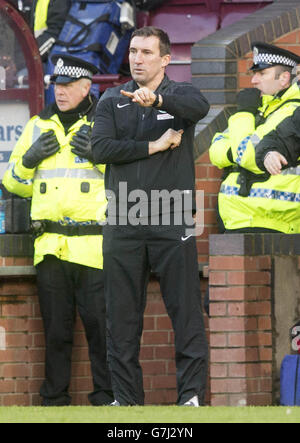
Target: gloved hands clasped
{"type": "Point", "coordinates": [82, 143]}
{"type": "Point", "coordinates": [45, 146]}
{"type": "Point", "coordinates": [249, 100]}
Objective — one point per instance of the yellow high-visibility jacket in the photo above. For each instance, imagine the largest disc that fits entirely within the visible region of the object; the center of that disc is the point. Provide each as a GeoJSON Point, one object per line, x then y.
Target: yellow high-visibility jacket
{"type": "Point", "coordinates": [40, 17]}
{"type": "Point", "coordinates": [58, 195]}
{"type": "Point", "coordinates": [272, 203]}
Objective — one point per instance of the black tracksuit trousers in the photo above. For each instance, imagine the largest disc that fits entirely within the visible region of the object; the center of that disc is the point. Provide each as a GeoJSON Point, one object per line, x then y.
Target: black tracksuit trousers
{"type": "Point", "coordinates": [129, 255]}
{"type": "Point", "coordinates": [61, 287]}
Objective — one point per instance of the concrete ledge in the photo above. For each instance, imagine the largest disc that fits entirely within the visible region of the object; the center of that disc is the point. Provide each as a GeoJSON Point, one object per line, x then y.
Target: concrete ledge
{"type": "Point", "coordinates": [16, 245]}
{"type": "Point", "coordinates": [254, 244]}
{"type": "Point", "coordinates": [17, 271]}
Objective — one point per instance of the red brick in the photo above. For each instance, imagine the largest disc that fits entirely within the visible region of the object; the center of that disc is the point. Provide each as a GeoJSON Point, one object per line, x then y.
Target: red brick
{"type": "Point", "coordinates": [215, 173]}
{"type": "Point", "coordinates": [219, 400]}
{"type": "Point", "coordinates": [21, 386]}
{"type": "Point", "coordinates": [154, 367]}
{"type": "Point", "coordinates": [83, 384]}
{"type": "Point", "coordinates": [259, 399]}
{"type": "Point", "coordinates": [226, 324]}
{"type": "Point", "coordinates": [244, 81]}
{"type": "Point", "coordinates": [15, 400]}
{"type": "Point", "coordinates": [288, 38]}
{"type": "Point", "coordinates": [265, 262]}
{"type": "Point", "coordinates": [164, 381]}
{"type": "Point", "coordinates": [226, 263]}
{"type": "Point", "coordinates": [155, 308]}
{"type": "Point", "coordinates": [162, 397]}
{"type": "Point", "coordinates": [249, 309]}
{"type": "Point", "coordinates": [163, 323]}
{"type": "Point", "coordinates": [35, 325]}
{"type": "Point", "coordinates": [38, 370]}
{"type": "Point", "coordinates": [201, 171]}
{"type": "Point", "coordinates": [13, 356]}
{"type": "Point", "coordinates": [7, 386]}
{"type": "Point", "coordinates": [155, 337]}
{"type": "Point", "coordinates": [149, 323]}
{"type": "Point", "coordinates": [81, 369]}
{"type": "Point", "coordinates": [17, 340]}
{"type": "Point", "coordinates": [14, 370]}
{"type": "Point", "coordinates": [218, 371]}
{"type": "Point", "coordinates": [164, 352]}
{"type": "Point", "coordinates": [218, 309]}
{"type": "Point", "coordinates": [208, 186]}
{"type": "Point", "coordinates": [228, 386]}
{"type": "Point", "coordinates": [218, 340]}
{"type": "Point", "coordinates": [217, 278]}
{"type": "Point", "coordinates": [147, 352]}
{"type": "Point", "coordinates": [226, 294]}
{"type": "Point", "coordinates": [264, 293]}
{"type": "Point", "coordinates": [234, 355]}
{"type": "Point", "coordinates": [264, 324]}
{"type": "Point", "coordinates": [248, 278]}
{"type": "Point", "coordinates": [265, 354]}
{"type": "Point", "coordinates": [171, 367]}
{"type": "Point", "coordinates": [250, 370]}
{"type": "Point", "coordinates": [249, 339]}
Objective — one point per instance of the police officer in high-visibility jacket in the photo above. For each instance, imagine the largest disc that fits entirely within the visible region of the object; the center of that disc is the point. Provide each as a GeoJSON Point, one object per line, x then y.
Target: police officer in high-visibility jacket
{"type": "Point", "coordinates": [250, 199]}
{"type": "Point", "coordinates": [47, 19]}
{"type": "Point", "coordinates": [52, 163]}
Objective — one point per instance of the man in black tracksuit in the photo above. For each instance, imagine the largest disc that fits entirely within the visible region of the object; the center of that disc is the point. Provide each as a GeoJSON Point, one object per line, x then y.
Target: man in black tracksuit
{"type": "Point", "coordinates": [144, 132]}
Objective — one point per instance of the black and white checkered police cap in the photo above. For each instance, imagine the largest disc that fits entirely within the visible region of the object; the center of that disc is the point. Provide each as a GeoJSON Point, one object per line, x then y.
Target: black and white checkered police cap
{"type": "Point", "coordinates": [265, 56]}
{"type": "Point", "coordinates": [68, 69]}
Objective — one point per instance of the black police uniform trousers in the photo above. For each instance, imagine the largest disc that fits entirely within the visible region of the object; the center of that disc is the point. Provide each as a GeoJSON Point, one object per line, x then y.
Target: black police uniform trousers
{"type": "Point", "coordinates": [129, 254]}
{"type": "Point", "coordinates": [61, 287]}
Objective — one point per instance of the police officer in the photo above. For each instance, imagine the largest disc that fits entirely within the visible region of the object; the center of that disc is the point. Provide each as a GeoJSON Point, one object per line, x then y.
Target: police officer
{"type": "Point", "coordinates": [53, 163]}
{"type": "Point", "coordinates": [250, 200]}
{"type": "Point", "coordinates": [47, 19]}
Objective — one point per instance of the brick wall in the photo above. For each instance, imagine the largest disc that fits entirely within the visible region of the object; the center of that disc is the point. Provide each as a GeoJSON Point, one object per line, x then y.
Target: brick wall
{"type": "Point", "coordinates": [22, 350]}
{"type": "Point", "coordinates": [250, 319]}
{"type": "Point", "coordinates": [22, 346]}
{"type": "Point", "coordinates": [241, 330]}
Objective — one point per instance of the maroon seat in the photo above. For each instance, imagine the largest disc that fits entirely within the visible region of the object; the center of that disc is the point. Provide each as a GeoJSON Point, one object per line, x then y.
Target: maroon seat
{"type": "Point", "coordinates": [232, 12]}
{"type": "Point", "coordinates": [187, 22]}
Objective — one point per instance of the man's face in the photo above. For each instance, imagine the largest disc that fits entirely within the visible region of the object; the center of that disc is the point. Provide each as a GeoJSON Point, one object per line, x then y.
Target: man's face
{"type": "Point", "coordinates": [69, 95]}
{"type": "Point", "coordinates": [267, 81]}
{"type": "Point", "coordinates": [146, 63]}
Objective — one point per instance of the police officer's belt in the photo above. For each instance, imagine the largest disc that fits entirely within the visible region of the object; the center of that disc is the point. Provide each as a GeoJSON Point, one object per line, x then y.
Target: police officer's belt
{"type": "Point", "coordinates": [40, 227]}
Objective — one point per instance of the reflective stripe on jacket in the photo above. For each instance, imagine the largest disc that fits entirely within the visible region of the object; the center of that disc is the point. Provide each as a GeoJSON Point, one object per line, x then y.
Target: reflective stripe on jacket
{"type": "Point", "coordinates": [65, 189]}
{"type": "Point", "coordinates": [272, 203]}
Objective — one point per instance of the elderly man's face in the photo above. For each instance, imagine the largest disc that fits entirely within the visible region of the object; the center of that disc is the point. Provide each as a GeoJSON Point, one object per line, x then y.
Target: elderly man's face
{"type": "Point", "coordinates": [69, 95]}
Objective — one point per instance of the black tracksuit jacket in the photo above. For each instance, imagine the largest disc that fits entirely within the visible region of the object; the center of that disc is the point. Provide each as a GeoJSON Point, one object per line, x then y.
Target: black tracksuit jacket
{"type": "Point", "coordinates": [123, 130]}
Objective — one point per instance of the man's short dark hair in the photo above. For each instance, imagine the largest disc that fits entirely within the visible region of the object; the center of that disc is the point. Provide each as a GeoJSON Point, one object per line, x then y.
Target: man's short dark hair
{"type": "Point", "coordinates": [280, 69]}
{"type": "Point", "coordinates": [151, 31]}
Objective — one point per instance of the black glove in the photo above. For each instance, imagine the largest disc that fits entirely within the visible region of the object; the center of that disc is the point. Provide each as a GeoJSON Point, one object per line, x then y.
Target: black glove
{"type": "Point", "coordinates": [45, 146]}
{"type": "Point", "coordinates": [82, 143]}
{"type": "Point", "coordinates": [249, 100]}
{"type": "Point", "coordinates": [45, 43]}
